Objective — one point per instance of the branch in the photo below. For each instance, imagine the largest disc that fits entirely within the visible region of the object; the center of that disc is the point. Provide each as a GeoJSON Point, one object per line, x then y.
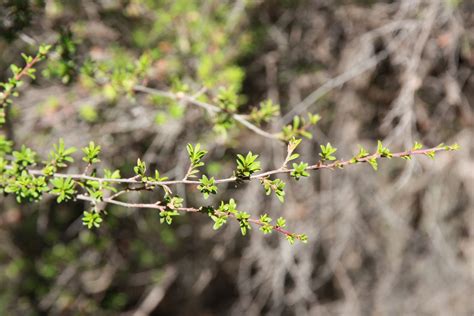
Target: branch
{"type": "Point", "coordinates": [208, 107]}
{"type": "Point", "coordinates": [319, 165]}
{"type": "Point", "coordinates": [22, 181]}
{"type": "Point", "coordinates": [25, 71]}
{"type": "Point", "coordinates": [8, 92]}
{"type": "Point", "coordinates": [15, 81]}
{"type": "Point", "coordinates": [160, 207]}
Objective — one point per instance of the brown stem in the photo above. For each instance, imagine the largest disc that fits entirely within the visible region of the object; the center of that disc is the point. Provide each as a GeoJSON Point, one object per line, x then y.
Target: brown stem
{"type": "Point", "coordinates": [180, 209]}
{"type": "Point", "coordinates": [17, 77]}
{"type": "Point", "coordinates": [317, 166]}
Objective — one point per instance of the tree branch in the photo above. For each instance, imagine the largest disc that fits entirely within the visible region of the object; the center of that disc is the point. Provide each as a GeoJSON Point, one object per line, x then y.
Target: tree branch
{"type": "Point", "coordinates": [319, 165]}
{"type": "Point", "coordinates": [208, 107]}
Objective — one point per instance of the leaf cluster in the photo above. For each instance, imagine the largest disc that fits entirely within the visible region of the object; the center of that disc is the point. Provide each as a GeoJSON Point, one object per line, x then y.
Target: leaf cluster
{"type": "Point", "coordinates": [327, 152]}
{"type": "Point", "coordinates": [26, 187]}
{"type": "Point", "coordinates": [266, 111]}
{"type": "Point", "coordinates": [59, 157]}
{"type": "Point", "coordinates": [63, 188]}
{"type": "Point", "coordinates": [91, 219]}
{"type": "Point", "coordinates": [195, 154]}
{"type": "Point", "coordinates": [299, 170]}
{"type": "Point", "coordinates": [247, 165]}
{"type": "Point", "coordinates": [277, 186]}
{"type": "Point", "coordinates": [299, 127]}
{"type": "Point", "coordinates": [91, 153]}
{"type": "Point", "coordinates": [207, 186]}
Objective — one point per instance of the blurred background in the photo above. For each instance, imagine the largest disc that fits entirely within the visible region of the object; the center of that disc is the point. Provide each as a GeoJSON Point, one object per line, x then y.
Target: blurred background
{"type": "Point", "coordinates": [394, 242]}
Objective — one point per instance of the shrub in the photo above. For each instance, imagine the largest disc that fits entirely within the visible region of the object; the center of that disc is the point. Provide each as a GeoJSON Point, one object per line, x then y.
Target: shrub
{"type": "Point", "coordinates": [28, 178]}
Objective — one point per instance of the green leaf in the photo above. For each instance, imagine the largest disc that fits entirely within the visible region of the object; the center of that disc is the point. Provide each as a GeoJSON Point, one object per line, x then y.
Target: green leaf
{"type": "Point", "coordinates": [306, 134]}
{"type": "Point", "coordinates": [108, 174]}
{"type": "Point", "coordinates": [383, 151]}
{"type": "Point", "coordinates": [314, 118]}
{"type": "Point", "coordinates": [207, 186]}
{"type": "Point", "coordinates": [281, 222]}
{"type": "Point", "coordinates": [24, 158]}
{"type": "Point", "coordinates": [247, 165]}
{"type": "Point", "coordinates": [373, 163]}
{"type": "Point", "coordinates": [91, 152]}
{"type": "Point", "coordinates": [195, 155]}
{"type": "Point", "coordinates": [229, 208]}
{"type": "Point", "coordinates": [417, 146]}
{"type": "Point", "coordinates": [26, 187]}
{"type": "Point", "coordinates": [243, 217]}
{"type": "Point", "coordinates": [276, 186]}
{"type": "Point", "coordinates": [94, 188]}
{"type": "Point", "coordinates": [91, 219]}
{"type": "Point", "coordinates": [44, 49]}
{"type": "Point", "coordinates": [430, 154]}
{"type": "Point", "coordinates": [452, 147]}
{"type": "Point", "coordinates": [293, 144]}
{"type": "Point", "coordinates": [299, 127]}
{"type": "Point", "coordinates": [265, 113]}
{"type": "Point", "coordinates": [293, 157]}
{"type": "Point", "coordinates": [299, 170]}
{"type": "Point", "coordinates": [361, 154]}
{"type": "Point", "coordinates": [174, 202]}
{"type": "Point", "coordinates": [158, 178]}
{"type": "Point", "coordinates": [15, 69]}
{"type": "Point", "coordinates": [303, 238]}
{"type": "Point", "coordinates": [266, 227]}
{"type": "Point", "coordinates": [219, 221]}
{"type": "Point", "coordinates": [5, 146]}
{"type": "Point", "coordinates": [140, 168]}
{"type": "Point", "coordinates": [64, 188]}
{"type": "Point", "coordinates": [167, 216]}
{"type": "Point", "coordinates": [227, 99]}
{"type": "Point", "coordinates": [60, 156]}
{"type": "Point", "coordinates": [327, 151]}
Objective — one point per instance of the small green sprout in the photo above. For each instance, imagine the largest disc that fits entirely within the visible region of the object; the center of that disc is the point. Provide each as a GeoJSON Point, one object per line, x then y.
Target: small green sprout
{"type": "Point", "coordinates": [63, 188]}
{"type": "Point", "coordinates": [167, 216]}
{"type": "Point", "coordinates": [265, 112]}
{"type": "Point", "coordinates": [243, 218]}
{"type": "Point", "coordinates": [91, 219]}
{"type": "Point", "coordinates": [373, 163]}
{"type": "Point", "coordinates": [140, 169]}
{"type": "Point", "coordinates": [266, 226]}
{"type": "Point", "coordinates": [383, 151]}
{"type": "Point", "coordinates": [327, 151]}
{"type": "Point", "coordinates": [25, 157]}
{"type": "Point", "coordinates": [276, 186]}
{"type": "Point", "coordinates": [91, 153]}
{"type": "Point", "coordinates": [299, 170]}
{"type": "Point", "coordinates": [281, 222]}
{"type": "Point", "coordinates": [207, 186]}
{"type": "Point", "coordinates": [195, 154]}
{"type": "Point", "coordinates": [247, 165]}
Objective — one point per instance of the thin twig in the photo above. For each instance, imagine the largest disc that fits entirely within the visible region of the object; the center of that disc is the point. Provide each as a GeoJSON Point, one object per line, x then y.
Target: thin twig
{"type": "Point", "coordinates": [282, 170]}
{"type": "Point", "coordinates": [208, 107]}
{"type": "Point", "coordinates": [179, 209]}
{"type": "Point", "coordinates": [5, 95]}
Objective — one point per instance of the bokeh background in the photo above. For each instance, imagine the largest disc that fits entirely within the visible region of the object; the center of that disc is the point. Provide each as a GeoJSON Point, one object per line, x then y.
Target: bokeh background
{"type": "Point", "coordinates": [394, 242]}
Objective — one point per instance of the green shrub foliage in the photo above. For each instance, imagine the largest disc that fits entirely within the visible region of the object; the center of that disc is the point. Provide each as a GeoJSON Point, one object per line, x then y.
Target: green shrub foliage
{"type": "Point", "coordinates": [29, 178]}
